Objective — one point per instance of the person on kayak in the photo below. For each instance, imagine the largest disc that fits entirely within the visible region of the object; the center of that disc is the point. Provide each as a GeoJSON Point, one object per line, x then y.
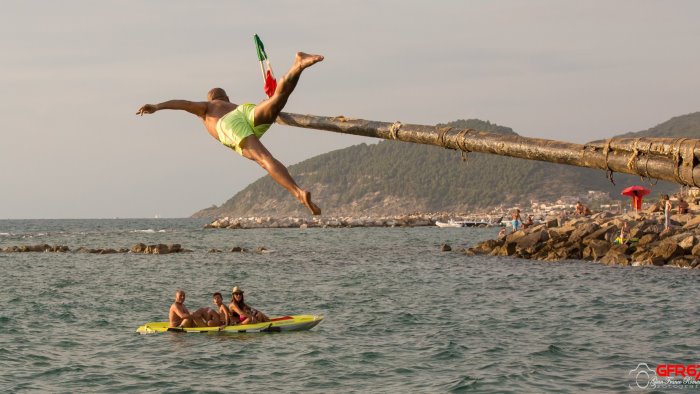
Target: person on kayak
{"type": "Point", "coordinates": [240, 127]}
{"type": "Point", "coordinates": [221, 316]}
{"type": "Point", "coordinates": [180, 316]}
{"type": "Point", "coordinates": [246, 314]}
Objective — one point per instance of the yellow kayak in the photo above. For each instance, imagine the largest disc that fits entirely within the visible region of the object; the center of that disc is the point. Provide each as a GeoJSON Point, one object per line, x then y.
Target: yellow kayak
{"type": "Point", "coordinates": [276, 324]}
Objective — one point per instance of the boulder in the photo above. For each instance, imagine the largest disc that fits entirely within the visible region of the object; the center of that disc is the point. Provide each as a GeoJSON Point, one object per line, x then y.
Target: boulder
{"type": "Point", "coordinates": [237, 249]}
{"type": "Point", "coordinates": [445, 248]}
{"type": "Point", "coordinates": [583, 231]}
{"type": "Point", "coordinates": [681, 262]}
{"type": "Point", "coordinates": [615, 256]}
{"type": "Point", "coordinates": [602, 234]}
{"type": "Point", "coordinates": [648, 239]}
{"type": "Point", "coordinates": [666, 251]}
{"type": "Point", "coordinates": [138, 248]}
{"type": "Point", "coordinates": [687, 243]}
{"type": "Point", "coordinates": [552, 223]}
{"type": "Point", "coordinates": [692, 223]}
{"type": "Point", "coordinates": [574, 251]}
{"type": "Point", "coordinates": [174, 248]}
{"type": "Point", "coordinates": [487, 246]}
{"type": "Point", "coordinates": [530, 240]}
{"type": "Point", "coordinates": [595, 249]}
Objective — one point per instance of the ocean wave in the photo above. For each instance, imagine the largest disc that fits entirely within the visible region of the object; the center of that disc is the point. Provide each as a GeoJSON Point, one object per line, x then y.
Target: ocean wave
{"type": "Point", "coordinates": [149, 231]}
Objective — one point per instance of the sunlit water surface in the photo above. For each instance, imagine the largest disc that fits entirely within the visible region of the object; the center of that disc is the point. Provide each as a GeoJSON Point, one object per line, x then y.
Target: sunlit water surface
{"type": "Point", "coordinates": [400, 314]}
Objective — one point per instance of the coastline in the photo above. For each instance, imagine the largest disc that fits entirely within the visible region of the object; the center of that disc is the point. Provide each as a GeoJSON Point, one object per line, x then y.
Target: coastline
{"type": "Point", "coordinates": [408, 220]}
{"type": "Point", "coordinates": [593, 238]}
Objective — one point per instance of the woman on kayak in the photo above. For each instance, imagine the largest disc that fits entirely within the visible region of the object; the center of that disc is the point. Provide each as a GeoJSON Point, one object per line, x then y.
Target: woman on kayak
{"type": "Point", "coordinates": [247, 315]}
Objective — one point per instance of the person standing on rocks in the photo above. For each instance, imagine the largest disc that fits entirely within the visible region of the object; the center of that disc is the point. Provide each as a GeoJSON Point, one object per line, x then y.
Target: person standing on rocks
{"type": "Point", "coordinates": [240, 127]}
{"type": "Point", "coordinates": [668, 207]}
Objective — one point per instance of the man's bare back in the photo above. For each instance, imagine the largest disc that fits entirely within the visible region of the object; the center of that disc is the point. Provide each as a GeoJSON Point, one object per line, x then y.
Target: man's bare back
{"type": "Point", "coordinates": [265, 113]}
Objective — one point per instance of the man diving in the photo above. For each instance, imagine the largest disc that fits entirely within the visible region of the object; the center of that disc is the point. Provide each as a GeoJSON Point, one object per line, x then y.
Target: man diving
{"type": "Point", "coordinates": [240, 127]}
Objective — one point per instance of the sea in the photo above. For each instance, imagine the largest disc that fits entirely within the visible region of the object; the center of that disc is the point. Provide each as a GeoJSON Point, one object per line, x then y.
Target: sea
{"type": "Point", "coordinates": [400, 314]}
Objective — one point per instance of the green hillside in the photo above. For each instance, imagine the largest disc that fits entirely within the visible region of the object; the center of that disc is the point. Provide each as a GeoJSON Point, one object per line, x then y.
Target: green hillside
{"type": "Point", "coordinates": [393, 177]}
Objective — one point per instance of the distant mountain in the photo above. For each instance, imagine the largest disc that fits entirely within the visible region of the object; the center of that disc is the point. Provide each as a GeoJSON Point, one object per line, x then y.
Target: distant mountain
{"type": "Point", "coordinates": [679, 126]}
{"type": "Point", "coordinates": [393, 177]}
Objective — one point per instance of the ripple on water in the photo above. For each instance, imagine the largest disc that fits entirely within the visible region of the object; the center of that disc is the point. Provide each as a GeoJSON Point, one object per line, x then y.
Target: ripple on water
{"type": "Point", "coordinates": [400, 315]}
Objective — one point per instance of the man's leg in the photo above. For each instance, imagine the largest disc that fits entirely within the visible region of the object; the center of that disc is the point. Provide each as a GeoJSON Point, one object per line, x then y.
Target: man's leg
{"type": "Point", "coordinates": [267, 111]}
{"type": "Point", "coordinates": [253, 149]}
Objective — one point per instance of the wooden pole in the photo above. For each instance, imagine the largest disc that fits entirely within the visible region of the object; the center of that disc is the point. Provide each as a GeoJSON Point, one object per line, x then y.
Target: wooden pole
{"type": "Point", "coordinates": [670, 159]}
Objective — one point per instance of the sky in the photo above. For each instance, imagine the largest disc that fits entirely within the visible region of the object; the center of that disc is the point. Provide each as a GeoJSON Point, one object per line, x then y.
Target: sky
{"type": "Point", "coordinates": [73, 74]}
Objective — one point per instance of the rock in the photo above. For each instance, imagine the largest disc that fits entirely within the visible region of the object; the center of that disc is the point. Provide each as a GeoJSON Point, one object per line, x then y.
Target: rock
{"type": "Point", "coordinates": [214, 251]}
{"type": "Point", "coordinates": [574, 251]}
{"type": "Point", "coordinates": [236, 249]}
{"type": "Point", "coordinates": [696, 250]}
{"type": "Point", "coordinates": [692, 223]}
{"type": "Point", "coordinates": [687, 243]}
{"type": "Point", "coordinates": [648, 239]}
{"type": "Point", "coordinates": [615, 256]}
{"type": "Point", "coordinates": [552, 223]}
{"type": "Point", "coordinates": [487, 246]}
{"type": "Point", "coordinates": [174, 248]}
{"type": "Point", "coordinates": [445, 248]}
{"type": "Point", "coordinates": [157, 249]}
{"type": "Point", "coordinates": [583, 231]}
{"type": "Point", "coordinates": [666, 251]}
{"type": "Point", "coordinates": [508, 249]}
{"type": "Point", "coordinates": [602, 233]}
{"type": "Point", "coordinates": [595, 250]}
{"type": "Point", "coordinates": [138, 248]}
{"type": "Point", "coordinates": [107, 251]}
{"type": "Point", "coordinates": [529, 241]}
{"type": "Point", "coordinates": [681, 262]}
{"type": "Point", "coordinates": [303, 226]}
{"type": "Point", "coordinates": [260, 249]}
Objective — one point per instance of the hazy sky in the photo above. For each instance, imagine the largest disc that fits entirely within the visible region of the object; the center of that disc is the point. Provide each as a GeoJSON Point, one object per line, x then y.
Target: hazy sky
{"type": "Point", "coordinates": [73, 73]}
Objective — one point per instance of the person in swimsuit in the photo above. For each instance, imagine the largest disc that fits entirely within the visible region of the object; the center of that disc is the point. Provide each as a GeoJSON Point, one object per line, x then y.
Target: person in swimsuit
{"type": "Point", "coordinates": [240, 127]}
{"type": "Point", "coordinates": [180, 316]}
{"type": "Point", "coordinates": [247, 314]}
{"type": "Point", "coordinates": [221, 316]}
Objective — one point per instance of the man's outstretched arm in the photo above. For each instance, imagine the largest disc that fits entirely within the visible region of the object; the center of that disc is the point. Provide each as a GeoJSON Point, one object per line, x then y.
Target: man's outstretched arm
{"type": "Point", "coordinates": [196, 108]}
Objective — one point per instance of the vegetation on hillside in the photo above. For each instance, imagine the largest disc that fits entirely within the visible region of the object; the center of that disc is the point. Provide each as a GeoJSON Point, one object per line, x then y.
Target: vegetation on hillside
{"type": "Point", "coordinates": [393, 177]}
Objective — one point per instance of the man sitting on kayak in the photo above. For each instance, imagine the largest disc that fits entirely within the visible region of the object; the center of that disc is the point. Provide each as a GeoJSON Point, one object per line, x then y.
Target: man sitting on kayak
{"type": "Point", "coordinates": [246, 314]}
{"type": "Point", "coordinates": [180, 316]}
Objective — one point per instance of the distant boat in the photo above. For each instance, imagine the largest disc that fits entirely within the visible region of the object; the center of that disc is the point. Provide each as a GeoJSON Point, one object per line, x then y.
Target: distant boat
{"type": "Point", "coordinates": [469, 223]}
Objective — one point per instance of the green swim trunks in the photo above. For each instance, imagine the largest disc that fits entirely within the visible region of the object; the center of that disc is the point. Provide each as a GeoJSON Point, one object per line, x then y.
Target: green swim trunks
{"type": "Point", "coordinates": [236, 125]}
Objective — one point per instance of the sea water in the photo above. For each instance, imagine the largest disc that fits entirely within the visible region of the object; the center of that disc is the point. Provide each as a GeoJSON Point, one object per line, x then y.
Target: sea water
{"type": "Point", "coordinates": [400, 315]}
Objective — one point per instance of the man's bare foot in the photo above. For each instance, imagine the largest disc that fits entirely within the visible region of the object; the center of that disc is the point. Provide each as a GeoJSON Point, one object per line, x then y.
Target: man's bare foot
{"type": "Point", "coordinates": [306, 200]}
{"type": "Point", "coordinates": [304, 60]}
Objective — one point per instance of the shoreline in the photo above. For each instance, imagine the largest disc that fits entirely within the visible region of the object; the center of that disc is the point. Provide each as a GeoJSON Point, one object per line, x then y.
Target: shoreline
{"type": "Point", "coordinates": [409, 220]}
{"type": "Point", "coordinates": [593, 238]}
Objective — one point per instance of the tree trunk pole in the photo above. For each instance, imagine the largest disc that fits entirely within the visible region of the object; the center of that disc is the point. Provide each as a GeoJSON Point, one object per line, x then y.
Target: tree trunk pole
{"type": "Point", "coordinates": [669, 159]}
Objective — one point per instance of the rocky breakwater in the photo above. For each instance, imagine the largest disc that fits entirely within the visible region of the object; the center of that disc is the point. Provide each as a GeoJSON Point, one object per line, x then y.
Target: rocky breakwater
{"type": "Point", "coordinates": [412, 220]}
{"type": "Point", "coordinates": [137, 248]}
{"type": "Point", "coordinates": [593, 238]}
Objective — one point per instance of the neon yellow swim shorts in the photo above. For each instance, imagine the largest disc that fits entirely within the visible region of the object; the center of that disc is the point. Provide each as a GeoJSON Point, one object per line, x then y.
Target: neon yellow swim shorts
{"type": "Point", "coordinates": [236, 125]}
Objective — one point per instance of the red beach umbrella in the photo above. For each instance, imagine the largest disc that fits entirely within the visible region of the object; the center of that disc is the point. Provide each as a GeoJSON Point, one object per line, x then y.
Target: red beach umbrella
{"type": "Point", "coordinates": [636, 192]}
